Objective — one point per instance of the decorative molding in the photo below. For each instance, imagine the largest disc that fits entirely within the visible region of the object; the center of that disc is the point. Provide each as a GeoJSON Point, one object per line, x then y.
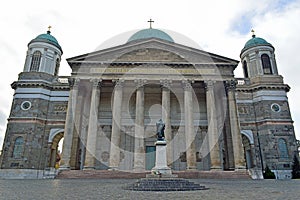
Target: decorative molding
{"type": "Point", "coordinates": [60, 108]}
{"type": "Point", "coordinates": [248, 87]}
{"type": "Point", "coordinates": [54, 132]}
{"type": "Point", "coordinates": [249, 135]}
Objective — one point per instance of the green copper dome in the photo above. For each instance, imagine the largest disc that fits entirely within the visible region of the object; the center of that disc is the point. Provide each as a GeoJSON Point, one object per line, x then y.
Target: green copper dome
{"type": "Point", "coordinates": [255, 41]}
{"type": "Point", "coordinates": [48, 38]}
{"type": "Point", "coordinates": [150, 33]}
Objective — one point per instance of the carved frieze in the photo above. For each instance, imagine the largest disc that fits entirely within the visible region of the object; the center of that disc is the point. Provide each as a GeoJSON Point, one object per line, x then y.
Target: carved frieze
{"type": "Point", "coordinates": [60, 108]}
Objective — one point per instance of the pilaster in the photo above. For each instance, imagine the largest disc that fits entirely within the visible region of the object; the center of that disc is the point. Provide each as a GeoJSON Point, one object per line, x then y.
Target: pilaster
{"type": "Point", "coordinates": [70, 124]}
{"type": "Point", "coordinates": [238, 149]}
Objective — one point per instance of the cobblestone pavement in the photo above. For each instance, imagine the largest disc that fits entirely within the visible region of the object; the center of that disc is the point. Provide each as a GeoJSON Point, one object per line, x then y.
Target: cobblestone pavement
{"type": "Point", "coordinates": [113, 189]}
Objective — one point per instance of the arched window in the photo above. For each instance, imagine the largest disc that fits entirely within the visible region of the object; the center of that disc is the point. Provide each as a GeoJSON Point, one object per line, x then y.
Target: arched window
{"type": "Point", "coordinates": [18, 147]}
{"type": "Point", "coordinates": [282, 147]}
{"type": "Point", "coordinates": [35, 61]}
{"type": "Point", "coordinates": [56, 67]}
{"type": "Point", "coordinates": [245, 69]}
{"type": "Point", "coordinates": [265, 59]}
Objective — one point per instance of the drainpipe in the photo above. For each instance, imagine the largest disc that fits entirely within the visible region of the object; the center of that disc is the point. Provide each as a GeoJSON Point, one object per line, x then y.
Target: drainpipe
{"type": "Point", "coordinates": [260, 153]}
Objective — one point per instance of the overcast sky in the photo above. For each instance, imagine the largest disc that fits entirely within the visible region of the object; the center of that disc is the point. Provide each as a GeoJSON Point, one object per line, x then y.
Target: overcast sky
{"type": "Point", "coordinates": [217, 26]}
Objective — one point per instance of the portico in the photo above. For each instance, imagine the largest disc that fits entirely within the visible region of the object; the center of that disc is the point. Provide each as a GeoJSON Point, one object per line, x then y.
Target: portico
{"type": "Point", "coordinates": [127, 98]}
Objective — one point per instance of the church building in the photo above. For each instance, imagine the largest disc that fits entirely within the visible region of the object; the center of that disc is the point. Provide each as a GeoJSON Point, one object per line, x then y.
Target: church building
{"type": "Point", "coordinates": [106, 110]}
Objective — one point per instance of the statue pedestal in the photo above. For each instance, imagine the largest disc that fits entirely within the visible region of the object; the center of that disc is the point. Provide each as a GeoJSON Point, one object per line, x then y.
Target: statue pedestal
{"type": "Point", "coordinates": [161, 177]}
{"type": "Point", "coordinates": [161, 167]}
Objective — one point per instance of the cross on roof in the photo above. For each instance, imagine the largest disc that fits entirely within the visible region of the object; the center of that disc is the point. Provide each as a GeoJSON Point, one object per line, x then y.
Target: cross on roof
{"type": "Point", "coordinates": [253, 33]}
{"type": "Point", "coordinates": [49, 27]}
{"type": "Point", "coordinates": [150, 21]}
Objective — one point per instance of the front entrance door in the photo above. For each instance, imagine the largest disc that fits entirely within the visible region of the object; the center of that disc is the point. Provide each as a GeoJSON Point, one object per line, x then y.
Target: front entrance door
{"type": "Point", "coordinates": [150, 157]}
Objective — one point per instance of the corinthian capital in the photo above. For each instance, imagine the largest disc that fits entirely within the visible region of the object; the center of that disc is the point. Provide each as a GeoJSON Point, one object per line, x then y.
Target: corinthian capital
{"type": "Point", "coordinates": [166, 83]}
{"type": "Point", "coordinates": [187, 84]}
{"type": "Point", "coordinates": [96, 82]}
{"type": "Point", "coordinates": [209, 85]}
{"type": "Point", "coordinates": [119, 83]}
{"type": "Point", "coordinates": [140, 82]}
{"type": "Point", "coordinates": [230, 84]}
{"type": "Point", "coordinates": [73, 82]}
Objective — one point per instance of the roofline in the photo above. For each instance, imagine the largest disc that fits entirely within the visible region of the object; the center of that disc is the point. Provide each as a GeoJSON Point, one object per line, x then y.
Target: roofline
{"type": "Point", "coordinates": [45, 41]}
{"type": "Point", "coordinates": [138, 42]}
{"type": "Point", "coordinates": [258, 45]}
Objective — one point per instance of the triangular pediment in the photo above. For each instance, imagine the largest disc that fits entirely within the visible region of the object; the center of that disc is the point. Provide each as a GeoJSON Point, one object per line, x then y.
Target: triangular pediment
{"type": "Point", "coordinates": [150, 51]}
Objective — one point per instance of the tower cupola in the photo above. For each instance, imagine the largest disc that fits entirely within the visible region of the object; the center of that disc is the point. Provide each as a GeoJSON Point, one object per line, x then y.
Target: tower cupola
{"type": "Point", "coordinates": [43, 54]}
{"type": "Point", "coordinates": [258, 58]}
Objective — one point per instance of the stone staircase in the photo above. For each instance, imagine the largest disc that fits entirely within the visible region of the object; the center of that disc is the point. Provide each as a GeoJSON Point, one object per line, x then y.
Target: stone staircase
{"type": "Point", "coordinates": [106, 174]}
{"type": "Point", "coordinates": [213, 174]}
{"type": "Point", "coordinates": [164, 184]}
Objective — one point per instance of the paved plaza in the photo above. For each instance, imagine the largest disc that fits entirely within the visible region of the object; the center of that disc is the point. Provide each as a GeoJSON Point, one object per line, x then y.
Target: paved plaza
{"type": "Point", "coordinates": [113, 189]}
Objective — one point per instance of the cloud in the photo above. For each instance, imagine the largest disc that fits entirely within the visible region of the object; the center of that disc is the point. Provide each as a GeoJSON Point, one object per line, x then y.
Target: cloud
{"type": "Point", "coordinates": [3, 118]}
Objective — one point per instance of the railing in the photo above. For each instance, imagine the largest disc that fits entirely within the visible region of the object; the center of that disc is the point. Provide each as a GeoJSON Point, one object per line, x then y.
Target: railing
{"type": "Point", "coordinates": [243, 81]}
{"type": "Point", "coordinates": [63, 79]}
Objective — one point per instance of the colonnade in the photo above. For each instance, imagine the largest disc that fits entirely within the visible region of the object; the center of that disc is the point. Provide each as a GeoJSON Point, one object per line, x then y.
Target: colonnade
{"type": "Point", "coordinates": [139, 145]}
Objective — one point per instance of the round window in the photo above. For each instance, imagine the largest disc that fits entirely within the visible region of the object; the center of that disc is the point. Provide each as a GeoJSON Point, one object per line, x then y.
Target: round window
{"type": "Point", "coordinates": [26, 105]}
{"type": "Point", "coordinates": [275, 107]}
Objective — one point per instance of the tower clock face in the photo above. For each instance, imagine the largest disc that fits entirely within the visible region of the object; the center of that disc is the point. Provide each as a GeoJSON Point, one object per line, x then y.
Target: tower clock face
{"type": "Point", "coordinates": [275, 107]}
{"type": "Point", "coordinates": [26, 105]}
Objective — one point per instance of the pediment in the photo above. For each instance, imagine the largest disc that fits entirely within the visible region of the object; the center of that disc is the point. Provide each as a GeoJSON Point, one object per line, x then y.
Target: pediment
{"type": "Point", "coordinates": [150, 51]}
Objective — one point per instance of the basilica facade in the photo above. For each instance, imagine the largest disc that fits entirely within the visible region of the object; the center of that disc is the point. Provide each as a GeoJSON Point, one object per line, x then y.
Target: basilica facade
{"type": "Point", "coordinates": [106, 110]}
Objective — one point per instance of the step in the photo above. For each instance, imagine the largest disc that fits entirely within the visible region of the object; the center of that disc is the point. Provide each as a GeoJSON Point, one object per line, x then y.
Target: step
{"type": "Point", "coordinates": [106, 174]}
{"type": "Point", "coordinates": [164, 184]}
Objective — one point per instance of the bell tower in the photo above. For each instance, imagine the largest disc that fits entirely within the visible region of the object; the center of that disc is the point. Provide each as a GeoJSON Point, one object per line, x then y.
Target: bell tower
{"type": "Point", "coordinates": [263, 108]}
{"type": "Point", "coordinates": [38, 106]}
{"type": "Point", "coordinates": [258, 58]}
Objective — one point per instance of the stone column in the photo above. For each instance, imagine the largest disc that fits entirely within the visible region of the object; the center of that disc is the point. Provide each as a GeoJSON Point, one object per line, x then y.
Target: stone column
{"type": "Point", "coordinates": [114, 158]}
{"type": "Point", "coordinates": [189, 126]}
{"type": "Point", "coordinates": [70, 124]}
{"type": "Point", "coordinates": [166, 117]}
{"type": "Point", "coordinates": [139, 131]}
{"type": "Point", "coordinates": [212, 132]}
{"type": "Point", "coordinates": [238, 150]}
{"type": "Point", "coordinates": [90, 161]}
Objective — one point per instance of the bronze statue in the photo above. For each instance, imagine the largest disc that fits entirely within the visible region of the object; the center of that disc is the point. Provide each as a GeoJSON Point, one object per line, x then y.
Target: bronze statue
{"type": "Point", "coordinates": [160, 133]}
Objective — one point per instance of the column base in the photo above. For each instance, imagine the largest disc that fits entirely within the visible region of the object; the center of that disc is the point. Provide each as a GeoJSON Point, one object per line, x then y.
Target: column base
{"type": "Point", "coordinates": [161, 170]}
{"type": "Point", "coordinates": [64, 167]}
{"type": "Point", "coordinates": [256, 174]}
{"type": "Point", "coordinates": [113, 169]}
{"type": "Point", "coordinates": [88, 168]}
{"type": "Point", "coordinates": [216, 169]}
{"type": "Point", "coordinates": [191, 168]}
{"type": "Point", "coordinates": [138, 169]}
{"type": "Point", "coordinates": [240, 168]}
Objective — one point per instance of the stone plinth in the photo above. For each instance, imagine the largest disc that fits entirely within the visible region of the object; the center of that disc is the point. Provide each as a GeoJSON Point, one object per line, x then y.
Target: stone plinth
{"type": "Point", "coordinates": [161, 166]}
